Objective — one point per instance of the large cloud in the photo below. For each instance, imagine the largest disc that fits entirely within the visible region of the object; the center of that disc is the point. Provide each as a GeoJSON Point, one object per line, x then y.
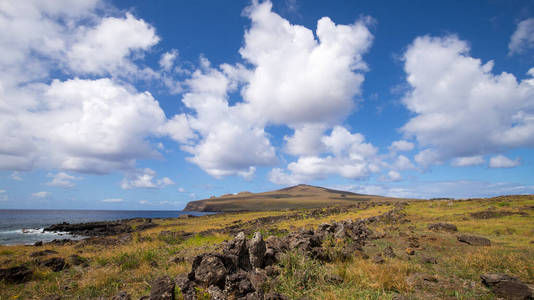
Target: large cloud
{"type": "Point", "coordinates": [298, 78]}
{"type": "Point", "coordinates": [107, 48]}
{"type": "Point", "coordinates": [85, 125]}
{"type": "Point", "coordinates": [91, 126]}
{"type": "Point", "coordinates": [292, 79]}
{"type": "Point", "coordinates": [461, 108]}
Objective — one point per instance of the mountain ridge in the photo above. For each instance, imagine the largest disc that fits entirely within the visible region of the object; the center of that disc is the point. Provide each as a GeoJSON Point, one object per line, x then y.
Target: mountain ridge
{"type": "Point", "coordinates": [293, 197]}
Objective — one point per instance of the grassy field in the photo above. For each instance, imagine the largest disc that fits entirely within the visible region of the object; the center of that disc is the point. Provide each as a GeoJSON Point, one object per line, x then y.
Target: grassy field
{"type": "Point", "coordinates": [149, 254]}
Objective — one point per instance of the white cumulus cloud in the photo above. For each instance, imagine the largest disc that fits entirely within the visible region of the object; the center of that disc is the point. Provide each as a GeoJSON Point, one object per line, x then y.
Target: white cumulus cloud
{"type": "Point", "coordinates": [72, 124]}
{"type": "Point", "coordinates": [351, 157]}
{"type": "Point", "coordinates": [62, 179]}
{"type": "Point", "coordinates": [523, 37]}
{"type": "Point", "coordinates": [107, 48]}
{"type": "Point", "coordinates": [401, 145]}
{"type": "Point", "coordinates": [501, 161]}
{"type": "Point", "coordinates": [468, 161]}
{"type": "Point", "coordinates": [462, 109]}
{"type": "Point", "coordinates": [144, 178]}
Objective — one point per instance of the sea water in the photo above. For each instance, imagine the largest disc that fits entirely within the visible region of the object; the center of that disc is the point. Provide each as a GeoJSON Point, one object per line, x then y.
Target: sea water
{"type": "Point", "coordinates": [25, 226]}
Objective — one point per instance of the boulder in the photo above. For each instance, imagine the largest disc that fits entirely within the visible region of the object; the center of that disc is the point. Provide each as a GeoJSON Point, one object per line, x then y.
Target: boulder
{"type": "Point", "coordinates": [474, 240]}
{"type": "Point", "coordinates": [506, 286]}
{"type": "Point", "coordinates": [18, 274]}
{"type": "Point", "coordinates": [208, 269]}
{"type": "Point", "coordinates": [162, 289]}
{"type": "Point", "coordinates": [443, 227]}
{"type": "Point", "coordinates": [256, 250]}
{"type": "Point", "coordinates": [56, 264]}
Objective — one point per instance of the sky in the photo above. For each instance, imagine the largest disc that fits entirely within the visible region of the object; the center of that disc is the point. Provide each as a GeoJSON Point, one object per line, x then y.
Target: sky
{"type": "Point", "coordinates": [148, 105]}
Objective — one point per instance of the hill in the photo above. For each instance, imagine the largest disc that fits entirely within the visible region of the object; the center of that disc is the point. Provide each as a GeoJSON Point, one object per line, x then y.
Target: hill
{"type": "Point", "coordinates": [299, 196]}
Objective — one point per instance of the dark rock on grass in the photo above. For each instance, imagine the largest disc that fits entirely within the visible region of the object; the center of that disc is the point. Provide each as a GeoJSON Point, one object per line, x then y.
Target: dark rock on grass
{"type": "Point", "coordinates": [379, 259]}
{"type": "Point", "coordinates": [56, 264]}
{"type": "Point", "coordinates": [42, 253]}
{"type": "Point", "coordinates": [473, 240]}
{"type": "Point", "coordinates": [429, 260]}
{"type": "Point", "coordinates": [162, 289]}
{"type": "Point", "coordinates": [490, 214]}
{"type": "Point", "coordinates": [388, 252]}
{"type": "Point", "coordinates": [506, 286]}
{"type": "Point", "coordinates": [122, 296]}
{"type": "Point", "coordinates": [18, 274]}
{"type": "Point", "coordinates": [77, 260]}
{"type": "Point", "coordinates": [443, 227]}
{"type": "Point", "coordinates": [38, 244]}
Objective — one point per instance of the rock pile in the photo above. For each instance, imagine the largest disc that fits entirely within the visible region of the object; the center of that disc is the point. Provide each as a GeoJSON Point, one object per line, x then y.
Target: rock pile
{"type": "Point", "coordinates": [242, 268]}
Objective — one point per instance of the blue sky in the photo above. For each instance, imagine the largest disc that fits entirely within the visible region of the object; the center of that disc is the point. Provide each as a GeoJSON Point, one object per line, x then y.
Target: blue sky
{"type": "Point", "coordinates": [148, 105]}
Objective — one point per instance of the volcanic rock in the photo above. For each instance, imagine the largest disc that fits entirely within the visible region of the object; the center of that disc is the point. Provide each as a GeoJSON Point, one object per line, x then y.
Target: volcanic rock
{"type": "Point", "coordinates": [474, 240]}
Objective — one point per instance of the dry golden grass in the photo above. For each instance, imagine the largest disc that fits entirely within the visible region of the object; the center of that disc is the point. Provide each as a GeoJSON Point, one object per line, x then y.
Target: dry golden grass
{"type": "Point", "coordinates": [131, 267]}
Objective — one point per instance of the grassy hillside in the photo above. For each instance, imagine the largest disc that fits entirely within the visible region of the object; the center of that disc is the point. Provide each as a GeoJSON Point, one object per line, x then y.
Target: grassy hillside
{"type": "Point", "coordinates": [131, 262]}
{"type": "Point", "coordinates": [300, 196]}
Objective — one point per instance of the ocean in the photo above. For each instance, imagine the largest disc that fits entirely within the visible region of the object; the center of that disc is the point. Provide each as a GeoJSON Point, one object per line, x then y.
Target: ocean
{"type": "Point", "coordinates": [25, 226]}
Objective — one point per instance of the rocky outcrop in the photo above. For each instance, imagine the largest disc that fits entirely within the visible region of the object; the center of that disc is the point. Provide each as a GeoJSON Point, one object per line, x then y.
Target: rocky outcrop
{"type": "Point", "coordinates": [243, 266]}
{"type": "Point", "coordinates": [473, 240]}
{"type": "Point", "coordinates": [506, 286]}
{"type": "Point", "coordinates": [443, 227]}
{"type": "Point", "coordinates": [18, 274]}
{"type": "Point", "coordinates": [107, 228]}
{"type": "Point", "coordinates": [92, 228]}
